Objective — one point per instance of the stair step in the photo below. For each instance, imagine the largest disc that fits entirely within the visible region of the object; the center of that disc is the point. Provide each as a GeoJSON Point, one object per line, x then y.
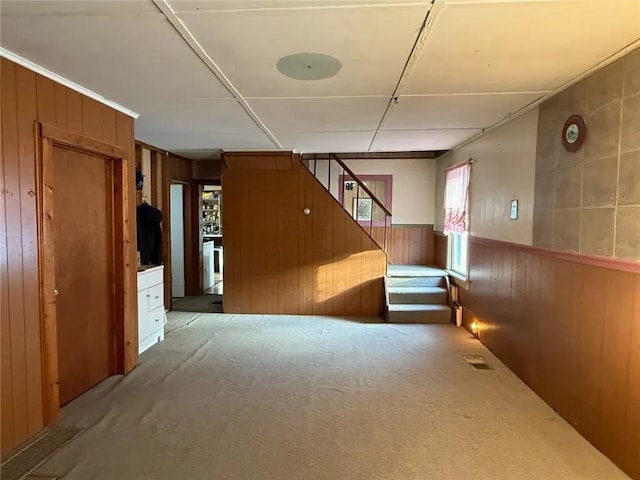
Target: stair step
{"type": "Point", "coordinates": [416, 281]}
{"type": "Point", "coordinates": [417, 295]}
{"type": "Point", "coordinates": [414, 271]}
{"type": "Point", "coordinates": [415, 313]}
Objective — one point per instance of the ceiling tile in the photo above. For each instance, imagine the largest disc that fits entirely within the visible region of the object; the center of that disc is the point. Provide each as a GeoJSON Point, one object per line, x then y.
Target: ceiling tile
{"type": "Point", "coordinates": [402, 140]}
{"type": "Point", "coordinates": [517, 46]}
{"type": "Point", "coordinates": [247, 45]}
{"type": "Point", "coordinates": [200, 6]}
{"type": "Point", "coordinates": [73, 7]}
{"type": "Point", "coordinates": [187, 115]}
{"type": "Point", "coordinates": [115, 55]}
{"type": "Point", "coordinates": [327, 142]}
{"type": "Point", "coordinates": [320, 114]}
{"type": "Point", "coordinates": [455, 111]}
{"type": "Point", "coordinates": [207, 141]}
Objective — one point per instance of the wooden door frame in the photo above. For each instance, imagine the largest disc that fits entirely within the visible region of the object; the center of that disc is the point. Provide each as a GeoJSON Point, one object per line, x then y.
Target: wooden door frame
{"type": "Point", "coordinates": [196, 241]}
{"type": "Point", "coordinates": [47, 138]}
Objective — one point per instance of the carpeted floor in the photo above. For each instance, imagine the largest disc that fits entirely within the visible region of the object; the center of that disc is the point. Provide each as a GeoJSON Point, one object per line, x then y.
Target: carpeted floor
{"type": "Point", "coordinates": [206, 303]}
{"type": "Point", "coordinates": [235, 397]}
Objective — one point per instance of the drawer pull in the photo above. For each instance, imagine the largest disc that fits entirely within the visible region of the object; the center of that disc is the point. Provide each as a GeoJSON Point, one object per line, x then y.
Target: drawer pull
{"type": "Point", "coordinates": [157, 320]}
{"type": "Point", "coordinates": [157, 296]}
{"type": "Point", "coordinates": [148, 295]}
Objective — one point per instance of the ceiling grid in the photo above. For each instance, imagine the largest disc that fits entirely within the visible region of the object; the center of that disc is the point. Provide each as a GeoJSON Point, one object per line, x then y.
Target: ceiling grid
{"type": "Point", "coordinates": [203, 74]}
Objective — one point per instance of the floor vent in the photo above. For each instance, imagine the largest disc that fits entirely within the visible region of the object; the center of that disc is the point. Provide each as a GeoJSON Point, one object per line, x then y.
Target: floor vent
{"type": "Point", "coordinates": [20, 465]}
{"type": "Point", "coordinates": [477, 361]}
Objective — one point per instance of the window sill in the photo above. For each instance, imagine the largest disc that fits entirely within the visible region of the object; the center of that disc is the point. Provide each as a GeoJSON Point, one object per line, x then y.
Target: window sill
{"type": "Point", "coordinates": [459, 279]}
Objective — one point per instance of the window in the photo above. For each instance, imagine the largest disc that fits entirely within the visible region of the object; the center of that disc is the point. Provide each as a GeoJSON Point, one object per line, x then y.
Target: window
{"type": "Point", "coordinates": [456, 206]}
{"type": "Point", "coordinates": [458, 261]}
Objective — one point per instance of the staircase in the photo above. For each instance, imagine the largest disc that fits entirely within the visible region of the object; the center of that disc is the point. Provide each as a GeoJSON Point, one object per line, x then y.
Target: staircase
{"type": "Point", "coordinates": [333, 174]}
{"type": "Point", "coordinates": [417, 294]}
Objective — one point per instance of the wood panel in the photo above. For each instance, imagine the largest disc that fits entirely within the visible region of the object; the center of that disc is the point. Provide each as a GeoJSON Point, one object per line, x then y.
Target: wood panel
{"type": "Point", "coordinates": [260, 160]}
{"type": "Point", "coordinates": [193, 239]}
{"type": "Point", "coordinates": [280, 261]}
{"type": "Point", "coordinates": [27, 97]}
{"type": "Point", "coordinates": [407, 244]}
{"type": "Point", "coordinates": [440, 246]}
{"type": "Point", "coordinates": [570, 329]}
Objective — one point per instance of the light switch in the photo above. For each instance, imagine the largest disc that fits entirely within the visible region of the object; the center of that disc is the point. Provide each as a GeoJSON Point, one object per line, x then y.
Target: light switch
{"type": "Point", "coordinates": [514, 210]}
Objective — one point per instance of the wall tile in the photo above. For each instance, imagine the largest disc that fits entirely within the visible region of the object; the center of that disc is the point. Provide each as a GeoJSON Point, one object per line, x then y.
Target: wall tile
{"type": "Point", "coordinates": [629, 187]}
{"type": "Point", "coordinates": [544, 190]}
{"type": "Point", "coordinates": [566, 229]}
{"type": "Point", "coordinates": [547, 149]}
{"type": "Point", "coordinates": [542, 227]}
{"type": "Point", "coordinates": [565, 157]}
{"type": "Point", "coordinates": [596, 226]}
{"type": "Point", "coordinates": [599, 182]}
{"type": "Point", "coordinates": [603, 131]}
{"type": "Point", "coordinates": [572, 101]}
{"type": "Point", "coordinates": [604, 86]}
{"type": "Point", "coordinates": [549, 115]}
{"type": "Point", "coordinates": [630, 139]}
{"type": "Point", "coordinates": [628, 233]}
{"type": "Point", "coordinates": [632, 73]}
{"type": "Point", "coordinates": [567, 186]}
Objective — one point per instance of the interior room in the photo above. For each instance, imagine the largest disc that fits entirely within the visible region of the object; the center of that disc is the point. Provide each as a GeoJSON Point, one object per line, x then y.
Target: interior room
{"type": "Point", "coordinates": [363, 239]}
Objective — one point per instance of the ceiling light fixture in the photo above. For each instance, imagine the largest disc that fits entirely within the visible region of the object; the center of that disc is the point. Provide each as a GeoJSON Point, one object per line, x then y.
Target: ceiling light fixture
{"type": "Point", "coordinates": [309, 66]}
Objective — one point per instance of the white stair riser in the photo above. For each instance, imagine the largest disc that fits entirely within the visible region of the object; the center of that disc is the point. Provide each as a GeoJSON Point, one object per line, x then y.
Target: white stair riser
{"type": "Point", "coordinates": [415, 282]}
{"type": "Point", "coordinates": [425, 317]}
{"type": "Point", "coordinates": [439, 298]}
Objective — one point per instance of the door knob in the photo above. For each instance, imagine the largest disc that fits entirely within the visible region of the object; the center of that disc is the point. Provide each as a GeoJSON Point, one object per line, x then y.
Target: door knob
{"type": "Point", "coordinates": [55, 292]}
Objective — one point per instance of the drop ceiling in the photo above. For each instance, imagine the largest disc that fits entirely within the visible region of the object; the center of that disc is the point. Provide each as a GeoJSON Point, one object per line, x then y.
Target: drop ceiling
{"type": "Point", "coordinates": [203, 77]}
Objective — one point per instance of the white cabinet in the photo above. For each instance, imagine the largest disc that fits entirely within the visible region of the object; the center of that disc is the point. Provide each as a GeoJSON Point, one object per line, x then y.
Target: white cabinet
{"type": "Point", "coordinates": [150, 307]}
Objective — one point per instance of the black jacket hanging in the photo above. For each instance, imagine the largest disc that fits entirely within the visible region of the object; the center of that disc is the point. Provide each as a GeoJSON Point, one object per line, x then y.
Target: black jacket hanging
{"type": "Point", "coordinates": [148, 221]}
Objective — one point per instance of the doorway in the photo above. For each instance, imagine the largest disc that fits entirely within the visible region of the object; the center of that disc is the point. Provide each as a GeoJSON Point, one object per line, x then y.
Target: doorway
{"type": "Point", "coordinates": [204, 249]}
{"type": "Point", "coordinates": [176, 196]}
{"type": "Point", "coordinates": [84, 269]}
{"type": "Point", "coordinates": [85, 261]}
{"type": "Point", "coordinates": [212, 245]}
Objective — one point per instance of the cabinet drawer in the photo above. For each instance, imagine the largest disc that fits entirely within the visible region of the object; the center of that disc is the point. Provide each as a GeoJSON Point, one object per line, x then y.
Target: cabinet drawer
{"type": "Point", "coordinates": [150, 277]}
{"type": "Point", "coordinates": [149, 322]}
{"type": "Point", "coordinates": [156, 296]}
{"type": "Point", "coordinates": [143, 303]}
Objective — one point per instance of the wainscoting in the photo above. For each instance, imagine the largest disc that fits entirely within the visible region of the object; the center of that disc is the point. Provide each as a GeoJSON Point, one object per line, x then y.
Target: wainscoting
{"type": "Point", "coordinates": [279, 260]}
{"type": "Point", "coordinates": [440, 250]}
{"type": "Point", "coordinates": [27, 97]}
{"type": "Point", "coordinates": [407, 244]}
{"type": "Point", "coordinates": [569, 326]}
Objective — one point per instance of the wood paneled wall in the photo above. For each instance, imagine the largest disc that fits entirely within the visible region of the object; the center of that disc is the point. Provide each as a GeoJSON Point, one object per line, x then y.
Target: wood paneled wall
{"type": "Point", "coordinates": [407, 244]}
{"type": "Point", "coordinates": [280, 261]}
{"type": "Point", "coordinates": [27, 97]}
{"type": "Point", "coordinates": [569, 327]}
{"type": "Point", "coordinates": [440, 246]}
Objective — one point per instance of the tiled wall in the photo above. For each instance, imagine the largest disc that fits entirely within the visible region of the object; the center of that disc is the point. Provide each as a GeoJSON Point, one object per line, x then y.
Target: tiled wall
{"type": "Point", "coordinates": [589, 201]}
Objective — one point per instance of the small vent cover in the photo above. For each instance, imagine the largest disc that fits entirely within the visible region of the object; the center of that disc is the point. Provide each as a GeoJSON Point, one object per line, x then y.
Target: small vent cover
{"type": "Point", "coordinates": [477, 361]}
{"type": "Point", "coordinates": [35, 454]}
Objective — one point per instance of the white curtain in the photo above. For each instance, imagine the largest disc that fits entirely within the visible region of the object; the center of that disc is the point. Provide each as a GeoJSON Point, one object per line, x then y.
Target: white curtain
{"type": "Point", "coordinates": [456, 199]}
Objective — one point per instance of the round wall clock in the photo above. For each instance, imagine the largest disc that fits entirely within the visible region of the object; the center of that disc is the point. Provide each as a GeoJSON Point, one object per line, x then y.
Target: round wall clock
{"type": "Point", "coordinates": [574, 133]}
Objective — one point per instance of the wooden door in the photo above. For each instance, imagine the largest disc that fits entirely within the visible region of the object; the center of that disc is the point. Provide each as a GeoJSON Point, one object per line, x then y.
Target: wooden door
{"type": "Point", "coordinates": [83, 246]}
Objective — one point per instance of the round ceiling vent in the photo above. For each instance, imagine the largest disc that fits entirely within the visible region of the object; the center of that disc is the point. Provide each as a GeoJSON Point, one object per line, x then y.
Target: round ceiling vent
{"type": "Point", "coordinates": [309, 66]}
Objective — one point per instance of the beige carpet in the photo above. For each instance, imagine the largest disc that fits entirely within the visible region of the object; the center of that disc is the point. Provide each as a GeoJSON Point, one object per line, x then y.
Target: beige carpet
{"type": "Point", "coordinates": [273, 397]}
